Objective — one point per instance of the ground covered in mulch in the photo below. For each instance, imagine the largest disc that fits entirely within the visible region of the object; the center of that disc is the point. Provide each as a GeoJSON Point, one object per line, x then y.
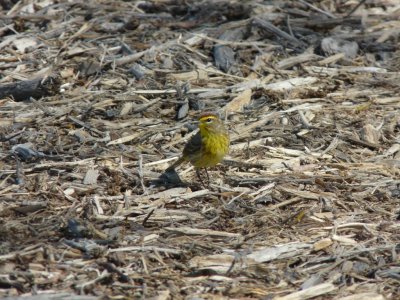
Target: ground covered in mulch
{"type": "Point", "coordinates": [97, 99]}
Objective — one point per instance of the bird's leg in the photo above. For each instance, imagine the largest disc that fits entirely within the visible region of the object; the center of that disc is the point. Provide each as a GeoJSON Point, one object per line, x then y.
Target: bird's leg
{"type": "Point", "coordinates": [199, 177]}
{"type": "Point", "coordinates": [208, 178]}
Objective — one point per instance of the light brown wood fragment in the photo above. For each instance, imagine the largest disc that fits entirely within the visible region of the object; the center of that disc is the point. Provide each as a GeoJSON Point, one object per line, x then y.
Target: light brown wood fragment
{"type": "Point", "coordinates": [331, 59]}
{"type": "Point", "coordinates": [359, 296]}
{"type": "Point", "coordinates": [219, 263]}
{"type": "Point", "coordinates": [388, 100]}
{"type": "Point", "coordinates": [237, 103]}
{"type": "Point", "coordinates": [197, 231]}
{"type": "Point", "coordinates": [306, 194]}
{"type": "Point", "coordinates": [296, 60]}
{"type": "Point", "coordinates": [322, 244]}
{"type": "Point", "coordinates": [290, 84]}
{"type": "Point", "coordinates": [189, 76]}
{"type": "Point", "coordinates": [162, 295]}
{"type": "Point", "coordinates": [279, 251]}
{"type": "Point", "coordinates": [370, 134]}
{"type": "Point", "coordinates": [317, 290]}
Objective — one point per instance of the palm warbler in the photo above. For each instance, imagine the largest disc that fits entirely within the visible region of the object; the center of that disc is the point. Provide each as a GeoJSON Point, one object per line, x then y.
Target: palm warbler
{"type": "Point", "coordinates": [208, 146]}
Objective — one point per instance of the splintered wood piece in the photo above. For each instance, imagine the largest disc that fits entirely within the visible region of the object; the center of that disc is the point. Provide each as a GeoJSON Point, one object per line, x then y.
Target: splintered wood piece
{"type": "Point", "coordinates": [279, 252]}
{"type": "Point", "coordinates": [369, 296]}
{"type": "Point", "coordinates": [206, 232]}
{"type": "Point", "coordinates": [237, 104]}
{"type": "Point", "coordinates": [218, 262]}
{"type": "Point", "coordinates": [296, 60]}
{"type": "Point", "coordinates": [311, 292]}
{"type": "Point", "coordinates": [370, 134]}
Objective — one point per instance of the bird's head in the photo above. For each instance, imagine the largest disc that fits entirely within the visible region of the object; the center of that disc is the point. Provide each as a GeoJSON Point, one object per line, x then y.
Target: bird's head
{"type": "Point", "coordinates": [209, 122]}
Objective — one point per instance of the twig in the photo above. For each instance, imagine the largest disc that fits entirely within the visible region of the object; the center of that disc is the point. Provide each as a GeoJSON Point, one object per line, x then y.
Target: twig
{"type": "Point", "coordinates": [140, 162]}
{"type": "Point", "coordinates": [83, 285]}
{"type": "Point", "coordinates": [19, 171]}
{"type": "Point", "coordinates": [41, 106]}
{"type": "Point", "coordinates": [196, 231]}
{"type": "Point", "coordinates": [145, 106]}
{"type": "Point", "coordinates": [84, 125]}
{"type": "Point", "coordinates": [11, 136]}
{"type": "Point", "coordinates": [355, 8]}
{"type": "Point", "coordinates": [359, 142]}
{"type": "Point", "coordinates": [275, 30]}
{"type": "Point", "coordinates": [285, 203]}
{"type": "Point", "coordinates": [146, 249]}
{"type": "Point", "coordinates": [134, 57]}
{"type": "Point", "coordinates": [318, 9]}
{"type": "Point", "coordinates": [147, 217]}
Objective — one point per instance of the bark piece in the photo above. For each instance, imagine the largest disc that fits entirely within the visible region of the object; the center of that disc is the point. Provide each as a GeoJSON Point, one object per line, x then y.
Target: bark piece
{"type": "Point", "coordinates": [35, 88]}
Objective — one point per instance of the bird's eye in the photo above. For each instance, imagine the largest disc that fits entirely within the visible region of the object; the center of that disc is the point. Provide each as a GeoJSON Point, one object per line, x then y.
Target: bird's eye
{"type": "Point", "coordinates": [209, 120]}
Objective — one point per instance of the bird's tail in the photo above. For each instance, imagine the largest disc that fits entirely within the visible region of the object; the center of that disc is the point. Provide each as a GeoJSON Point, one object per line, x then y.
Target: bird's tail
{"type": "Point", "coordinates": [175, 164]}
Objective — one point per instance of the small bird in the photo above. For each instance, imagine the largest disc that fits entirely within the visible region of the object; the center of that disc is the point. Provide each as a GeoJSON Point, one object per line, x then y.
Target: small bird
{"type": "Point", "coordinates": [208, 146]}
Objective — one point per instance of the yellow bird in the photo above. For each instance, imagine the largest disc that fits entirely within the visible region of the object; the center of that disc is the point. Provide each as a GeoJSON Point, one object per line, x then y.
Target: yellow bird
{"type": "Point", "coordinates": [208, 146]}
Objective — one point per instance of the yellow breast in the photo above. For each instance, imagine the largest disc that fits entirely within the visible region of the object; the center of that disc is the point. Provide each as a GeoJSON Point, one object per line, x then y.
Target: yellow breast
{"type": "Point", "coordinates": [214, 148]}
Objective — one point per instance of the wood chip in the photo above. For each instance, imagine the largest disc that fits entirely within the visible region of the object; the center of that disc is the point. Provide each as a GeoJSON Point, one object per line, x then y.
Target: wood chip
{"type": "Point", "coordinates": [99, 98]}
{"type": "Point", "coordinates": [317, 290]}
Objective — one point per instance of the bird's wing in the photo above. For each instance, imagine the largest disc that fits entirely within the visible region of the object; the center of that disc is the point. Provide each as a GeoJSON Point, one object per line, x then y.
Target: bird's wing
{"type": "Point", "coordinates": [192, 146]}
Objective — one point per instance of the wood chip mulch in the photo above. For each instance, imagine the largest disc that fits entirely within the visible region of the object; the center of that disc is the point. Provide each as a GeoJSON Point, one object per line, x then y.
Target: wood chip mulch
{"type": "Point", "coordinates": [97, 99]}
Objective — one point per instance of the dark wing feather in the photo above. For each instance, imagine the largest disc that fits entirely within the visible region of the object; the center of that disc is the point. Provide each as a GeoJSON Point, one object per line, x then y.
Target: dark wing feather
{"type": "Point", "coordinates": [193, 146]}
